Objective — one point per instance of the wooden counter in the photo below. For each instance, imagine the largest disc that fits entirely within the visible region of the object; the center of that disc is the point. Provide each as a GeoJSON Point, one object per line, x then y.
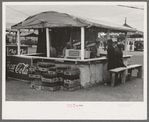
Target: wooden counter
{"type": "Point", "coordinates": [92, 71]}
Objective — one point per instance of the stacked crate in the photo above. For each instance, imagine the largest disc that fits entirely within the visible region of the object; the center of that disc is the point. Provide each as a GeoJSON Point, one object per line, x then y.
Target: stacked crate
{"type": "Point", "coordinates": [49, 79]}
{"type": "Point", "coordinates": [71, 78]}
{"type": "Point", "coordinates": [48, 76]}
{"type": "Point", "coordinates": [34, 75]}
{"type": "Point", "coordinates": [60, 73]}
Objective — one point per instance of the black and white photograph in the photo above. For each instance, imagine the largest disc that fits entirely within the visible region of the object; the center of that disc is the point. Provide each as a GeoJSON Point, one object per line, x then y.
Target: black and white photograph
{"type": "Point", "coordinates": [74, 60]}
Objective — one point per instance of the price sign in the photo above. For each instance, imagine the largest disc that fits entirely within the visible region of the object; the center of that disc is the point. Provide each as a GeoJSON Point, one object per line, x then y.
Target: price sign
{"type": "Point", "coordinates": [74, 53]}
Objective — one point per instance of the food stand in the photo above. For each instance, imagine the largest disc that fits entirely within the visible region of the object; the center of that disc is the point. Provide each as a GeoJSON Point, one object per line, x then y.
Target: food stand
{"type": "Point", "coordinates": [56, 29]}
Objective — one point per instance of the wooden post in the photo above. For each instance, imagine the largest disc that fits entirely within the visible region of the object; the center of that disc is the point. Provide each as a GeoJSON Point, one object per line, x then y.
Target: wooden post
{"type": "Point", "coordinates": [108, 34]}
{"type": "Point", "coordinates": [112, 79]}
{"type": "Point", "coordinates": [18, 40]}
{"type": "Point", "coordinates": [140, 72]}
{"type": "Point", "coordinates": [125, 43]}
{"type": "Point", "coordinates": [126, 62]}
{"type": "Point", "coordinates": [123, 77]}
{"type": "Point", "coordinates": [108, 37]}
{"type": "Point", "coordinates": [71, 43]}
{"type": "Point", "coordinates": [129, 74]}
{"type": "Point", "coordinates": [82, 43]}
{"type": "Point", "coordinates": [47, 42]}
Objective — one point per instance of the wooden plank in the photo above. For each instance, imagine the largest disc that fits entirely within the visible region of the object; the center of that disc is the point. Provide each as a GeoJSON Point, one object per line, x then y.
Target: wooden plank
{"type": "Point", "coordinates": [134, 66]}
{"type": "Point", "coordinates": [116, 70]}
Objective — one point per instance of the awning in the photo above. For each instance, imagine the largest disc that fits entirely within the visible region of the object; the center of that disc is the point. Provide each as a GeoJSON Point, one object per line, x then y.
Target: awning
{"type": "Point", "coordinates": [136, 36]}
{"type": "Point", "coordinates": [52, 19]}
{"type": "Point", "coordinates": [28, 34]}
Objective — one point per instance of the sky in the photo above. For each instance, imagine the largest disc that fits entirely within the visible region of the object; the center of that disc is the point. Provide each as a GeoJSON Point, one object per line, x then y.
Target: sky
{"type": "Point", "coordinates": [110, 12]}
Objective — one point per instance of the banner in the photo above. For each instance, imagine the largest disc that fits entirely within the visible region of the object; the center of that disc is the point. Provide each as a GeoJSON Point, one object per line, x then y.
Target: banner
{"type": "Point", "coordinates": [17, 67]}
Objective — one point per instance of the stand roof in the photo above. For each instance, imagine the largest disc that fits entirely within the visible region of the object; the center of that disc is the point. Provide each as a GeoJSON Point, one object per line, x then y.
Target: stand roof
{"type": "Point", "coordinates": [52, 19]}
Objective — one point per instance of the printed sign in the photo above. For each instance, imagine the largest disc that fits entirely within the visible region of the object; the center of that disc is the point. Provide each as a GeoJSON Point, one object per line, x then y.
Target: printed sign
{"type": "Point", "coordinates": [17, 67]}
{"type": "Point", "coordinates": [13, 50]}
{"type": "Point", "coordinates": [74, 53]}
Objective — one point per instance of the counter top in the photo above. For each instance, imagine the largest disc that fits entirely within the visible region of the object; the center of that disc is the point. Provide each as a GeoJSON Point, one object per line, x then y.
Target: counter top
{"type": "Point", "coordinates": [16, 45]}
{"type": "Point", "coordinates": [103, 58]}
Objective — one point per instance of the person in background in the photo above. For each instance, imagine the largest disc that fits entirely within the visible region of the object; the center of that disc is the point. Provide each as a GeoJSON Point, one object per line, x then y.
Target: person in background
{"type": "Point", "coordinates": [110, 55]}
{"type": "Point", "coordinates": [105, 45]}
{"type": "Point", "coordinates": [111, 59]}
{"type": "Point", "coordinates": [53, 52]}
{"type": "Point", "coordinates": [115, 57]}
{"type": "Point", "coordinates": [118, 55]}
{"type": "Point", "coordinates": [64, 50]}
{"type": "Point", "coordinates": [95, 53]}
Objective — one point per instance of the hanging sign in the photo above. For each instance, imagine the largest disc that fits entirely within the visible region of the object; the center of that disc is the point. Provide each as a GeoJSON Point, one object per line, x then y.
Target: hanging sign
{"type": "Point", "coordinates": [13, 50]}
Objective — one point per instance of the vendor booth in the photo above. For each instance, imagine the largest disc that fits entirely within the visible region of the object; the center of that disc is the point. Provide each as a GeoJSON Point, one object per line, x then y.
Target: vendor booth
{"type": "Point", "coordinates": [64, 43]}
{"type": "Point", "coordinates": [135, 42]}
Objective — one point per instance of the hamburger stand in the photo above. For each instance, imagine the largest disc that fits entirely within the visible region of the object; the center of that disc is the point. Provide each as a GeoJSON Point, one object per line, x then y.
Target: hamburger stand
{"type": "Point", "coordinates": [55, 30]}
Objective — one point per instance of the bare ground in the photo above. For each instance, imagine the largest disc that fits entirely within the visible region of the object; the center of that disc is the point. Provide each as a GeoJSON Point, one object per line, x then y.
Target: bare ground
{"type": "Point", "coordinates": [131, 91]}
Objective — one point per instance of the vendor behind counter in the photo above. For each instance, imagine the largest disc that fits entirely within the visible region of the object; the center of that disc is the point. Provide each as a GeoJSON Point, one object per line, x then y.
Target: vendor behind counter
{"type": "Point", "coordinates": [94, 48]}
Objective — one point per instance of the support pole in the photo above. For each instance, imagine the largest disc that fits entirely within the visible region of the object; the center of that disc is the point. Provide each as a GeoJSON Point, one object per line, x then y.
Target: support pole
{"type": "Point", "coordinates": [126, 62]}
{"type": "Point", "coordinates": [125, 43]}
{"type": "Point", "coordinates": [82, 43]}
{"type": "Point", "coordinates": [47, 42]}
{"type": "Point", "coordinates": [18, 40]}
{"type": "Point", "coordinates": [108, 34]}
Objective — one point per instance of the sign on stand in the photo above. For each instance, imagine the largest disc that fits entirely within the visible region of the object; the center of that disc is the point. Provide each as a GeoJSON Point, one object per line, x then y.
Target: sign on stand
{"type": "Point", "coordinates": [13, 50]}
{"type": "Point", "coordinates": [17, 67]}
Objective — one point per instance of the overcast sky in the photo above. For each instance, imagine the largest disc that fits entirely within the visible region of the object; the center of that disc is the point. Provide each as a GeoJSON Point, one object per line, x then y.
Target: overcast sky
{"type": "Point", "coordinates": [112, 13]}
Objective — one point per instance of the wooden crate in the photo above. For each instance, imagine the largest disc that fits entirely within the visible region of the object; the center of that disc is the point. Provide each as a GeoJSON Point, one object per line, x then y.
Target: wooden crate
{"type": "Point", "coordinates": [66, 81]}
{"type": "Point", "coordinates": [55, 88]}
{"type": "Point", "coordinates": [72, 89]}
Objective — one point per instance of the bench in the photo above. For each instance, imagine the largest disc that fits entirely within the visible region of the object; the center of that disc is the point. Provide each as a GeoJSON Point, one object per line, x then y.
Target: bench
{"type": "Point", "coordinates": [114, 75]}
{"type": "Point", "coordinates": [122, 71]}
{"type": "Point", "coordinates": [132, 67]}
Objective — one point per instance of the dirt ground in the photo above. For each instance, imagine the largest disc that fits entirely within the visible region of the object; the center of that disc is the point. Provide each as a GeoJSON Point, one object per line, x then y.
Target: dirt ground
{"type": "Point", "coordinates": [131, 91]}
